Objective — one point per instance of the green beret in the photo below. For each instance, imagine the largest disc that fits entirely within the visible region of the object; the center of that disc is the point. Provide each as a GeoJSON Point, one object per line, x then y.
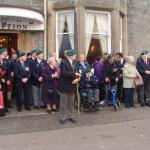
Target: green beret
{"type": "Point", "coordinates": [110, 56]}
{"type": "Point", "coordinates": [144, 52]}
{"type": "Point", "coordinates": [33, 51]}
{"type": "Point", "coordinates": [71, 52]}
{"type": "Point", "coordinates": [20, 54]}
{"type": "Point", "coordinates": [2, 50]}
{"type": "Point", "coordinates": [39, 52]}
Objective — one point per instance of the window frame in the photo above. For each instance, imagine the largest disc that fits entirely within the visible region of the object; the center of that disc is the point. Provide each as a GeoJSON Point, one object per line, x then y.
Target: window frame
{"type": "Point", "coordinates": [57, 34]}
{"type": "Point", "coordinates": [100, 33]}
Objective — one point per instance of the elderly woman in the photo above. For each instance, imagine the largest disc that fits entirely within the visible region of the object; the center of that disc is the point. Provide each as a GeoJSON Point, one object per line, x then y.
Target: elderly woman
{"type": "Point", "coordinates": [50, 85]}
{"type": "Point", "coordinates": [82, 64]}
{"type": "Point", "coordinates": [130, 73]}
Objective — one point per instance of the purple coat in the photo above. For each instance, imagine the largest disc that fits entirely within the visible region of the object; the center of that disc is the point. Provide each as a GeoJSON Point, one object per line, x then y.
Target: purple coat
{"type": "Point", "coordinates": [49, 83]}
{"type": "Point", "coordinates": [99, 71]}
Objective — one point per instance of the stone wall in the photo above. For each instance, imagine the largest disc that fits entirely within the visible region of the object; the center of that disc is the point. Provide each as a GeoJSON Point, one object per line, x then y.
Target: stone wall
{"type": "Point", "coordinates": [138, 25]}
{"type": "Point", "coordinates": [34, 4]}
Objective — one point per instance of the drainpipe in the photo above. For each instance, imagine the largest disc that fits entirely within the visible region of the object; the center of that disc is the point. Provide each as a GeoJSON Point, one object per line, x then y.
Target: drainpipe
{"type": "Point", "coordinates": [45, 29]}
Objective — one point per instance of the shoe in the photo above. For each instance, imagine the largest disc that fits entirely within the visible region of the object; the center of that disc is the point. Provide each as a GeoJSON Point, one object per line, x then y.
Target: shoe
{"type": "Point", "coordinates": [6, 110]}
{"type": "Point", "coordinates": [19, 109]}
{"type": "Point", "coordinates": [55, 110]}
{"type": "Point", "coordinates": [36, 107]}
{"type": "Point", "coordinates": [62, 121]}
{"type": "Point", "coordinates": [28, 108]}
{"type": "Point", "coordinates": [73, 120]}
{"type": "Point", "coordinates": [143, 105]}
{"type": "Point", "coordinates": [49, 111]}
{"type": "Point", "coordinates": [43, 107]}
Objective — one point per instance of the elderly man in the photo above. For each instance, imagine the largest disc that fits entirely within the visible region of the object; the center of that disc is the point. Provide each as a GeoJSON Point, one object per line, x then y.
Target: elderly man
{"type": "Point", "coordinates": [143, 66]}
{"type": "Point", "coordinates": [22, 74]}
{"type": "Point", "coordinates": [68, 87]}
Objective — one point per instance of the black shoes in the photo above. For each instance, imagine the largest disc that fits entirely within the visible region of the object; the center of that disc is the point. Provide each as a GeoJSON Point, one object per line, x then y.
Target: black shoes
{"type": "Point", "coordinates": [62, 121]}
{"type": "Point", "coordinates": [73, 120]}
{"type": "Point", "coordinates": [19, 109]}
{"type": "Point", "coordinates": [28, 108]}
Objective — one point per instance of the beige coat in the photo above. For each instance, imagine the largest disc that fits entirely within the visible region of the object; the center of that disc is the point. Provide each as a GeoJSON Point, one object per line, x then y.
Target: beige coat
{"type": "Point", "coordinates": [129, 73]}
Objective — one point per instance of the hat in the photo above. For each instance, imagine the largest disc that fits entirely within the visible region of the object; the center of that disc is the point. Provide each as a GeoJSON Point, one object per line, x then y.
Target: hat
{"type": "Point", "coordinates": [2, 50]}
{"type": "Point", "coordinates": [144, 52]}
{"type": "Point", "coordinates": [33, 51]}
{"type": "Point", "coordinates": [70, 52]}
{"type": "Point", "coordinates": [110, 56]}
{"type": "Point", "coordinates": [39, 52]}
{"type": "Point", "coordinates": [20, 54]}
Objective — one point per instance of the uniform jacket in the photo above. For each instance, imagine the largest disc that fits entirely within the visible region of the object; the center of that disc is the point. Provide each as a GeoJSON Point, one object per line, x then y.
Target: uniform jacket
{"type": "Point", "coordinates": [142, 67]}
{"type": "Point", "coordinates": [5, 68]}
{"type": "Point", "coordinates": [21, 72]}
{"type": "Point", "coordinates": [37, 71]}
{"type": "Point", "coordinates": [31, 63]}
{"type": "Point", "coordinates": [67, 75]}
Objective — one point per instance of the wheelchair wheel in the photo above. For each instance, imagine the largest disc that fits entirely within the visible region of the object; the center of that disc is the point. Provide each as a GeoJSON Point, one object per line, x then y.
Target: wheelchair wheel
{"type": "Point", "coordinates": [115, 107]}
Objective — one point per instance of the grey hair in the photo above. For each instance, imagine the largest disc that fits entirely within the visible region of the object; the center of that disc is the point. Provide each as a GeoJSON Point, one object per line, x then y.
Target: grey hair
{"type": "Point", "coordinates": [51, 59]}
{"type": "Point", "coordinates": [130, 59]}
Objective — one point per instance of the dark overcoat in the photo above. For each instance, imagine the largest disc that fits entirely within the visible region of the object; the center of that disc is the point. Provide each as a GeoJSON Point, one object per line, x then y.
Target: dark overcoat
{"type": "Point", "coordinates": [142, 67]}
{"type": "Point", "coordinates": [49, 83]}
{"type": "Point", "coordinates": [67, 75]}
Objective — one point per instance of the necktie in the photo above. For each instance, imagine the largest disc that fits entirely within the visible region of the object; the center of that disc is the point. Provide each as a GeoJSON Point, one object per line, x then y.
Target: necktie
{"type": "Point", "coordinates": [23, 65]}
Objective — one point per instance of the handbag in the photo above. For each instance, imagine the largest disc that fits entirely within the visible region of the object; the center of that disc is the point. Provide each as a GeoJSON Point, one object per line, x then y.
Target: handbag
{"type": "Point", "coordinates": [138, 81]}
{"type": "Point", "coordinates": [2, 110]}
{"type": "Point", "coordinates": [1, 100]}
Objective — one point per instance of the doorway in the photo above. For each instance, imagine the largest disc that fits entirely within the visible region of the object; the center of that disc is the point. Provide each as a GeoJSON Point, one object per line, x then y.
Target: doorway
{"type": "Point", "coordinates": [9, 41]}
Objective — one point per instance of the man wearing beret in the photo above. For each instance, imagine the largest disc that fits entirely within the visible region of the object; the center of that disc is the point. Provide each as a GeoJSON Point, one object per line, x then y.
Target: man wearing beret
{"type": "Point", "coordinates": [22, 74]}
{"type": "Point", "coordinates": [5, 75]}
{"type": "Point", "coordinates": [143, 66]}
{"type": "Point", "coordinates": [38, 66]}
{"type": "Point", "coordinates": [68, 87]}
{"type": "Point", "coordinates": [31, 63]}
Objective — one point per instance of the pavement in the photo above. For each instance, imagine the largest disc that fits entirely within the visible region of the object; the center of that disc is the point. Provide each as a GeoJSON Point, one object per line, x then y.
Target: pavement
{"type": "Point", "coordinates": [127, 129]}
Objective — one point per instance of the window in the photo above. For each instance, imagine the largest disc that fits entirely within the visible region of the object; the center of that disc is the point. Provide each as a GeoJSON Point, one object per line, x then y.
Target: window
{"type": "Point", "coordinates": [98, 33]}
{"type": "Point", "coordinates": [64, 31]}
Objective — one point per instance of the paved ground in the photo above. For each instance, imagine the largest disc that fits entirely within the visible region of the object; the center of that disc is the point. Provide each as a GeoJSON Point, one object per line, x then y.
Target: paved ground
{"type": "Point", "coordinates": [127, 129]}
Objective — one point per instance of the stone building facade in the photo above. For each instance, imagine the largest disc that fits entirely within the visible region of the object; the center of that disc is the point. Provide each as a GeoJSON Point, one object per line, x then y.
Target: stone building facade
{"type": "Point", "coordinates": [22, 24]}
{"type": "Point", "coordinates": [138, 26]}
{"type": "Point", "coordinates": [102, 20]}
{"type": "Point", "coordinates": [90, 26]}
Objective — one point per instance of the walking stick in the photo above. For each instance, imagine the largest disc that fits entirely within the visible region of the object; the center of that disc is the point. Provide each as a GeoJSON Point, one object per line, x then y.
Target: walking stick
{"type": "Point", "coordinates": [78, 99]}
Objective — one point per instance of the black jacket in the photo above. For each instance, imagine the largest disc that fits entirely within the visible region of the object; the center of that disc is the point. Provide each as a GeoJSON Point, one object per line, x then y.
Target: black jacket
{"type": "Point", "coordinates": [21, 72]}
{"type": "Point", "coordinates": [67, 75]}
{"type": "Point", "coordinates": [142, 67]}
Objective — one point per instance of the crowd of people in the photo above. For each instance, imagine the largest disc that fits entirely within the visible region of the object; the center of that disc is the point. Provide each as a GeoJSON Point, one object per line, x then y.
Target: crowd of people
{"type": "Point", "coordinates": [30, 81]}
